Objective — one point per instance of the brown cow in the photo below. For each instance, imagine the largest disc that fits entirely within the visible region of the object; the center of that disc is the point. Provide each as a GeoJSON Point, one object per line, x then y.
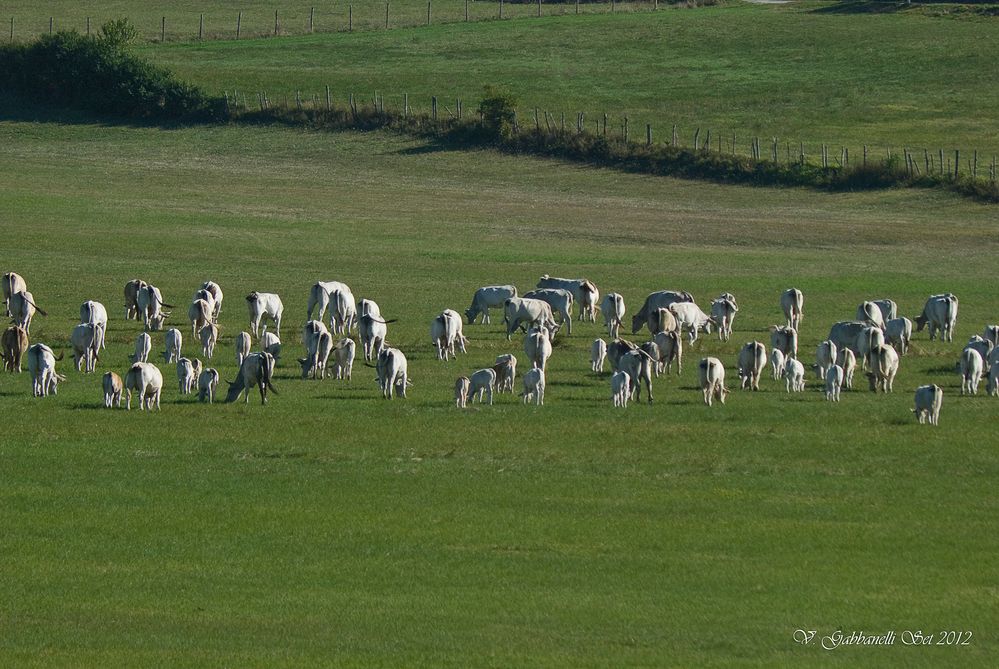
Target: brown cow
{"type": "Point", "coordinates": [14, 343]}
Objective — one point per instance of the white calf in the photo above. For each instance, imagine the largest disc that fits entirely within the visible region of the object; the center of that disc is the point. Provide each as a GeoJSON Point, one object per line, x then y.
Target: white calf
{"type": "Point", "coordinates": [208, 382]}
{"type": "Point", "coordinates": [393, 372]}
{"type": "Point", "coordinates": [834, 381]}
{"type": "Point", "coordinates": [670, 350]}
{"type": "Point", "coordinates": [538, 347]}
{"type": "Point", "coordinates": [598, 353]}
{"type": "Point", "coordinates": [620, 388]}
{"type": "Point", "coordinates": [825, 357]}
{"type": "Point", "coordinates": [613, 309]}
{"type": "Point", "coordinates": [848, 361]}
{"type": "Point", "coordinates": [143, 346]}
{"type": "Point", "coordinates": [777, 363]}
{"type": "Point", "coordinates": [84, 340]}
{"type": "Point", "coordinates": [461, 387]}
{"type": "Point", "coordinates": [534, 386]}
{"type": "Point", "coordinates": [94, 313]}
{"type": "Point", "coordinates": [506, 372]}
{"type": "Point", "coordinates": [41, 368]}
{"type": "Point", "coordinates": [343, 359]}
{"type": "Point", "coordinates": [794, 375]}
{"type": "Point", "coordinates": [209, 337]}
{"type": "Point", "coordinates": [928, 401]}
{"type": "Point", "coordinates": [482, 382]}
{"type": "Point", "coordinates": [186, 376]}
{"type": "Point", "coordinates": [711, 373]}
{"type": "Point", "coordinates": [243, 343]}
{"type": "Point", "coordinates": [971, 371]}
{"type": "Point", "coordinates": [723, 311]}
{"type": "Point", "coordinates": [898, 333]}
{"type": "Point", "coordinates": [113, 386]}
{"type": "Point", "coordinates": [752, 362]}
{"type": "Point", "coordinates": [174, 341]}
{"type": "Point", "coordinates": [271, 343]}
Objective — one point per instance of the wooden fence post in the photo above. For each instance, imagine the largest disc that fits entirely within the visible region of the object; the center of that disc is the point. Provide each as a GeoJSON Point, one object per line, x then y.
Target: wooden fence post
{"type": "Point", "coordinates": [275, 22]}
{"type": "Point", "coordinates": [386, 15]}
{"type": "Point", "coordinates": [350, 18]}
{"type": "Point", "coordinates": [697, 134]}
{"type": "Point", "coordinates": [648, 134]}
{"type": "Point", "coordinates": [50, 25]}
{"type": "Point", "coordinates": [625, 129]}
{"type": "Point", "coordinates": [501, 9]}
{"type": "Point", "coordinates": [312, 18]}
{"type": "Point", "coordinates": [433, 108]}
{"type": "Point", "coordinates": [428, 11]}
{"type": "Point", "coordinates": [957, 162]}
{"type": "Point", "coordinates": [539, 8]}
{"type": "Point", "coordinates": [12, 29]}
{"type": "Point", "coordinates": [974, 166]}
{"type": "Point", "coordinates": [88, 26]}
{"type": "Point", "coordinates": [405, 105]}
{"type": "Point", "coordinates": [577, 6]}
{"type": "Point", "coordinates": [466, 10]}
{"type": "Point", "coordinates": [239, 21]}
{"type": "Point", "coordinates": [201, 27]}
{"type": "Point", "coordinates": [163, 29]}
{"type": "Point", "coordinates": [605, 124]}
{"type": "Point", "coordinates": [329, 105]}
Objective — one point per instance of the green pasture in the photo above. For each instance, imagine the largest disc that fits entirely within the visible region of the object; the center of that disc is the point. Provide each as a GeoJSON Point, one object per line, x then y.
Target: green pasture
{"type": "Point", "coordinates": [331, 527]}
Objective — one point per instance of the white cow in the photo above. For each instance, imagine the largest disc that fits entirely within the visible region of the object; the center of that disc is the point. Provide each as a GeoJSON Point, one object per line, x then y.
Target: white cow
{"type": "Point", "coordinates": [393, 372]}
{"type": "Point", "coordinates": [868, 339]}
{"type": "Point", "coordinates": [343, 359]}
{"type": "Point", "coordinates": [143, 346]}
{"type": "Point", "coordinates": [482, 382]}
{"type": "Point", "coordinates": [150, 303]}
{"type": "Point", "coordinates": [825, 357]}
{"type": "Point", "coordinates": [723, 311]}
{"type": "Point", "coordinates": [662, 320]}
{"type": "Point", "coordinates": [271, 343]}
{"type": "Point", "coordinates": [94, 313]}
{"type": "Point", "coordinates": [689, 317]}
{"type": "Point", "coordinates": [209, 338]}
{"type": "Point", "coordinates": [613, 309]}
{"type": "Point", "coordinates": [207, 296]}
{"type": "Point", "coordinates": [583, 291]}
{"type": "Point", "coordinates": [794, 376]}
{"type": "Point", "coordinates": [373, 331]}
{"type": "Point", "coordinates": [940, 313]}
{"type": "Point", "coordinates": [314, 363]}
{"type": "Point", "coordinates": [777, 363]}
{"type": "Point", "coordinates": [993, 383]}
{"type": "Point", "coordinates": [898, 333]}
{"type": "Point", "coordinates": [991, 333]}
{"type": "Point", "coordinates": [972, 366]}
{"type": "Point", "coordinates": [670, 350]}
{"type": "Point", "coordinates": [620, 388]}
{"type": "Point", "coordinates": [461, 387]}
{"type": "Point", "coordinates": [638, 365]}
{"type": "Point", "coordinates": [262, 306]}
{"type": "Point", "coordinates": [132, 289]}
{"type": "Point", "coordinates": [488, 297]}
{"type": "Point", "coordinates": [517, 310]}
{"type": "Point", "coordinates": [792, 303]}
{"type": "Point", "coordinates": [984, 348]}
{"type": "Point", "coordinates": [147, 380]}
{"type": "Point", "coordinates": [598, 353]}
{"type": "Point", "coordinates": [367, 307]}
{"type": "Point", "coordinates": [785, 339]}
{"type": "Point", "coordinates": [320, 295]}
{"type": "Point", "coordinates": [845, 333]}
{"type": "Point", "coordinates": [113, 387]}
{"type": "Point", "coordinates": [445, 332]}
{"type": "Point", "coordinates": [200, 315]}
{"type": "Point", "coordinates": [538, 347]}
{"type": "Point", "coordinates": [889, 310]}
{"type": "Point", "coordinates": [559, 299]}
{"type": "Point", "coordinates": [834, 382]}
{"type": "Point", "coordinates": [870, 313]}
{"type": "Point", "coordinates": [752, 362]}
{"type": "Point", "coordinates": [884, 367]}
{"type": "Point", "coordinates": [661, 299]}
{"type": "Point", "coordinates": [12, 283]}
{"type": "Point", "coordinates": [208, 382]}
{"type": "Point", "coordinates": [22, 309]}
{"type": "Point", "coordinates": [534, 386]}
{"type": "Point", "coordinates": [186, 376]}
{"type": "Point", "coordinates": [174, 341]}
{"type": "Point", "coordinates": [848, 362]}
{"type": "Point", "coordinates": [928, 401]}
{"type": "Point", "coordinates": [343, 315]}
{"type": "Point", "coordinates": [41, 368]}
{"type": "Point", "coordinates": [257, 370]}
{"type": "Point", "coordinates": [506, 372]}
{"type": "Point", "coordinates": [311, 332]}
{"type": "Point", "coordinates": [85, 342]}
{"type": "Point", "coordinates": [711, 373]}
{"type": "Point", "coordinates": [216, 293]}
{"type": "Point", "coordinates": [243, 343]}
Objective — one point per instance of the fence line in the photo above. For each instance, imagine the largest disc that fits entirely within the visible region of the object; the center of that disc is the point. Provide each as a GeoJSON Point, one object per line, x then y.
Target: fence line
{"type": "Point", "coordinates": [382, 15]}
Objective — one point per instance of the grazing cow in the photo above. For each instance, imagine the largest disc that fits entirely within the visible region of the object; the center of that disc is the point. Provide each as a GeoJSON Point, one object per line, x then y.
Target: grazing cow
{"type": "Point", "coordinates": [22, 309]}
{"type": "Point", "coordinates": [41, 368]}
{"type": "Point", "coordinates": [216, 292]}
{"type": "Point", "coordinates": [486, 297]}
{"type": "Point", "coordinates": [150, 303]}
{"type": "Point", "coordinates": [638, 365]}
{"type": "Point", "coordinates": [186, 376]}
{"type": "Point", "coordinates": [993, 383]}
{"type": "Point", "coordinates": [13, 283]}
{"type": "Point", "coordinates": [113, 387]}
{"type": "Point", "coordinates": [482, 382]}
{"type": "Point", "coordinates": [343, 359]}
{"type": "Point", "coordinates": [991, 333]}
{"type": "Point", "coordinates": [825, 357]}
{"type": "Point", "coordinates": [723, 311]}
{"type": "Point", "coordinates": [200, 315]}
{"type": "Point", "coordinates": [928, 401]}
{"type": "Point", "coordinates": [785, 339]}
{"type": "Point", "coordinates": [583, 291]}
{"type": "Point", "coordinates": [445, 332]}
{"type": "Point", "coordinates": [870, 337]}
{"type": "Point", "coordinates": [534, 386]}
{"type": "Point", "coordinates": [777, 363]}
{"type": "Point", "coordinates": [984, 348]}
{"type": "Point", "coordinates": [147, 380]}
{"type": "Point", "coordinates": [689, 317]}
{"type": "Point", "coordinates": [264, 305]}
{"type": "Point", "coordinates": [320, 296]}
{"type": "Point", "coordinates": [517, 310]}
{"type": "Point", "coordinates": [257, 370]}
{"type": "Point", "coordinates": [208, 382]}
{"type": "Point", "coordinates": [132, 289]}
{"type": "Point", "coordinates": [174, 342]}
{"type": "Point", "coordinates": [538, 347]}
{"type": "Point", "coordinates": [461, 387]}
{"type": "Point", "coordinates": [207, 296]}
{"type": "Point", "coordinates": [620, 389]}
{"type": "Point", "coordinates": [613, 309]}
{"type": "Point", "coordinates": [311, 332]}
{"type": "Point", "coordinates": [848, 362]}
{"type": "Point", "coordinates": [794, 376]}
{"type": "Point", "coordinates": [598, 353]}
{"type": "Point", "coordinates": [343, 315]}
{"type": "Point", "coordinates": [870, 313]}
{"type": "Point", "coordinates": [616, 349]}
{"type": "Point", "coordinates": [14, 344]}
{"type": "Point", "coordinates": [94, 313]}
{"type": "Point", "coordinates": [940, 312]}
{"type": "Point", "coordinates": [209, 337]}
{"type": "Point", "coordinates": [898, 333]}
{"type": "Point", "coordinates": [271, 343]}
{"type": "Point", "coordinates": [85, 349]}
{"type": "Point", "coordinates": [373, 332]}
{"type": "Point", "coordinates": [971, 371]}
{"type": "Point", "coordinates": [560, 301]}
{"type": "Point", "coordinates": [888, 308]}
{"type": "Point", "coordinates": [393, 372]}
{"type": "Point", "coordinates": [834, 382]}
{"type": "Point", "coordinates": [506, 372]}
{"type": "Point", "coordinates": [243, 343]}
{"type": "Point", "coordinates": [661, 320]}
{"type": "Point", "coordinates": [315, 362]}
{"type": "Point", "coordinates": [369, 308]}
{"type": "Point", "coordinates": [884, 367]}
{"type": "Point", "coordinates": [711, 373]}
{"type": "Point", "coordinates": [792, 303]}
{"type": "Point", "coordinates": [143, 346]}
{"type": "Point", "coordinates": [845, 333]}
{"type": "Point", "coordinates": [752, 362]}
{"type": "Point", "coordinates": [670, 350]}
{"type": "Point", "coordinates": [661, 299]}
{"type": "Point", "coordinates": [652, 349]}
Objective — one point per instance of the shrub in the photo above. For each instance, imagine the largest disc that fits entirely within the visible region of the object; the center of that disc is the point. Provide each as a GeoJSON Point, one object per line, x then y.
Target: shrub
{"type": "Point", "coordinates": [498, 110]}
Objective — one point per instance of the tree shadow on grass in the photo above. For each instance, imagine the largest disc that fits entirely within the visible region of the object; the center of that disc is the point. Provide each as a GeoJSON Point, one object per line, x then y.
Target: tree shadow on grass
{"type": "Point", "coordinates": [863, 7]}
{"type": "Point", "coordinates": [14, 108]}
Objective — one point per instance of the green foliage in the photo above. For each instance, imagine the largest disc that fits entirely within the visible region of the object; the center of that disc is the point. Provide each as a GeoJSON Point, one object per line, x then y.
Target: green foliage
{"type": "Point", "coordinates": [99, 75]}
{"type": "Point", "coordinates": [118, 33]}
{"type": "Point", "coordinates": [498, 110]}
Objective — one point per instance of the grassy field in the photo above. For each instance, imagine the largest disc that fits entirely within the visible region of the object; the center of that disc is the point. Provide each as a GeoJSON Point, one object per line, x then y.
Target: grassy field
{"type": "Point", "coordinates": [332, 527]}
{"type": "Point", "coordinates": [794, 72]}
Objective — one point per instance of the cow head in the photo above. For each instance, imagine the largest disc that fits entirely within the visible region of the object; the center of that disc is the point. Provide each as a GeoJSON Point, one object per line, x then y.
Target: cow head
{"type": "Point", "coordinates": [470, 314]}
{"type": "Point", "coordinates": [252, 297]}
{"type": "Point", "coordinates": [636, 323]}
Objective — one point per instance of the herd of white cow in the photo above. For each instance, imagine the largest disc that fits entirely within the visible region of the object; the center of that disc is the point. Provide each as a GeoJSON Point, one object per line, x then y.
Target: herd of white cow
{"type": "Point", "coordinates": [875, 339]}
